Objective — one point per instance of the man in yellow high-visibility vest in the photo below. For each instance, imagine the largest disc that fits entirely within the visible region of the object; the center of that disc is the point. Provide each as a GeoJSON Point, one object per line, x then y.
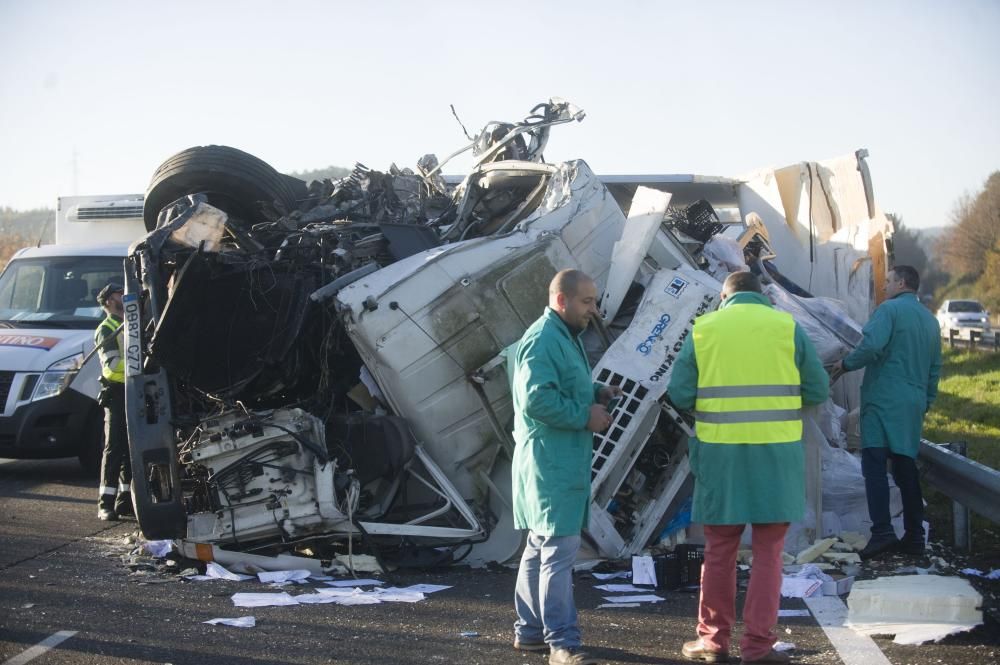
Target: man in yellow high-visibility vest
{"type": "Point", "coordinates": [746, 370]}
{"type": "Point", "coordinates": [115, 496]}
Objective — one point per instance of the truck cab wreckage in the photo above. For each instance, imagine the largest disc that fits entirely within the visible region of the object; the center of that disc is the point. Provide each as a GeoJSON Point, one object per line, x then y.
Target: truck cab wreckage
{"type": "Point", "coordinates": [313, 365]}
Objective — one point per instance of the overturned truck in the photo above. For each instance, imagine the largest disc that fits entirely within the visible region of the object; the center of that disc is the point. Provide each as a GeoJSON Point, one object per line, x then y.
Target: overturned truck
{"type": "Point", "coordinates": [314, 368]}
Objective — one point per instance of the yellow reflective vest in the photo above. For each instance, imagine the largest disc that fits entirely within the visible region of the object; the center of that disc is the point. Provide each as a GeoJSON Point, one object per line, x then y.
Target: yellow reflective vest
{"type": "Point", "coordinates": [747, 398]}
{"type": "Point", "coordinates": [109, 348]}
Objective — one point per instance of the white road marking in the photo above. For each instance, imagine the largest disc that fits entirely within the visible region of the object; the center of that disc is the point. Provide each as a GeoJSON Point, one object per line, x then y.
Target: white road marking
{"type": "Point", "coordinates": [34, 652]}
{"type": "Point", "coordinates": [853, 649]}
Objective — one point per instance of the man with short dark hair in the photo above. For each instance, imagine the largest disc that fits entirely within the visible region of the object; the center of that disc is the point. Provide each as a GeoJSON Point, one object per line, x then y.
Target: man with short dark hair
{"type": "Point", "coordinates": [556, 408]}
{"type": "Point", "coordinates": [901, 351]}
{"type": "Point", "coordinates": [746, 370]}
{"type": "Point", "coordinates": [115, 498]}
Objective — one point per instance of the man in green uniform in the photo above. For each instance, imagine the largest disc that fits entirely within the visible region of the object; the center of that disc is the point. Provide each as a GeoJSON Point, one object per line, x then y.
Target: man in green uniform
{"type": "Point", "coordinates": [115, 496]}
{"type": "Point", "coordinates": [901, 351]}
{"type": "Point", "coordinates": [746, 369]}
{"type": "Point", "coordinates": [556, 408]}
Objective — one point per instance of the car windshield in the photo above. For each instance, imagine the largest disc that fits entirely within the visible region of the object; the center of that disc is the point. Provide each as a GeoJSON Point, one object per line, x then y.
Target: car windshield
{"type": "Point", "coordinates": [56, 292]}
{"type": "Point", "coordinates": [964, 306]}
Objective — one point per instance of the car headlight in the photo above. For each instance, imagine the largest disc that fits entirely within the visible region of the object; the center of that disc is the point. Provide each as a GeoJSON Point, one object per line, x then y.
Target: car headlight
{"type": "Point", "coordinates": [57, 377]}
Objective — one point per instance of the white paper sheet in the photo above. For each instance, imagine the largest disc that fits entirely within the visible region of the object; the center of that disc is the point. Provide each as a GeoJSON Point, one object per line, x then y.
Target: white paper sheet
{"type": "Point", "coordinates": [316, 598]}
{"type": "Point", "coordinates": [214, 571]}
{"type": "Point", "coordinates": [635, 598]}
{"type": "Point", "coordinates": [793, 613]}
{"type": "Point", "coordinates": [643, 571]}
{"type": "Point", "coordinates": [618, 605]}
{"type": "Point", "coordinates": [280, 576]}
{"type": "Point", "coordinates": [393, 595]}
{"type": "Point", "coordinates": [353, 583]}
{"type": "Point", "coordinates": [239, 622]}
{"type": "Point", "coordinates": [425, 588]}
{"type": "Point", "coordinates": [262, 599]}
{"type": "Point", "coordinates": [620, 575]}
{"type": "Point", "coordinates": [621, 588]}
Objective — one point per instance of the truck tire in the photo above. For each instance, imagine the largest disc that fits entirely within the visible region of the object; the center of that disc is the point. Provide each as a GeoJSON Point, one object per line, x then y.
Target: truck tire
{"type": "Point", "coordinates": [92, 448]}
{"type": "Point", "coordinates": [235, 181]}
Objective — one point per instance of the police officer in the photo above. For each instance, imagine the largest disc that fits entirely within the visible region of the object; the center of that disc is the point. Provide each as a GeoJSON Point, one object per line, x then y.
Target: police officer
{"type": "Point", "coordinates": [115, 497]}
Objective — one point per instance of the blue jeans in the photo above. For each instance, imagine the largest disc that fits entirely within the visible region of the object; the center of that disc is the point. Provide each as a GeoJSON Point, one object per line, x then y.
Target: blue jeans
{"type": "Point", "coordinates": [543, 596]}
{"type": "Point", "coordinates": [904, 472]}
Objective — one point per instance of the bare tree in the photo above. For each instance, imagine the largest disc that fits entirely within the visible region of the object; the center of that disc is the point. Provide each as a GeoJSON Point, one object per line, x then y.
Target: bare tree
{"type": "Point", "coordinates": [974, 230]}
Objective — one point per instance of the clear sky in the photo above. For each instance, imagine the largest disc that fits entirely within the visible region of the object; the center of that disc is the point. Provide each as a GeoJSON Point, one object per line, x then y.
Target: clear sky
{"type": "Point", "coordinates": [95, 94]}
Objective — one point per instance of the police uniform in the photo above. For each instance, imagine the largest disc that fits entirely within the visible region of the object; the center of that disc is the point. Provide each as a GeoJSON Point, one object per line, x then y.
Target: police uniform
{"type": "Point", "coordinates": [116, 471]}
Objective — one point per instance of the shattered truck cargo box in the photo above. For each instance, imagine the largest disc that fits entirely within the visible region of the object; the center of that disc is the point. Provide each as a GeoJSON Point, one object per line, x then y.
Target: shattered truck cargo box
{"type": "Point", "coordinates": [307, 379]}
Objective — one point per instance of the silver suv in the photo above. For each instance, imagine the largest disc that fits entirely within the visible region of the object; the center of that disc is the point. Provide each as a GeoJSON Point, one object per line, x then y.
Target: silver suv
{"type": "Point", "coordinates": [964, 316]}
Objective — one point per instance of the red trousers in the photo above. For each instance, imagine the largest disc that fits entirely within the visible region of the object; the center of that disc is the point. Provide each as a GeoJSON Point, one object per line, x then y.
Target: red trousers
{"type": "Point", "coordinates": [717, 605]}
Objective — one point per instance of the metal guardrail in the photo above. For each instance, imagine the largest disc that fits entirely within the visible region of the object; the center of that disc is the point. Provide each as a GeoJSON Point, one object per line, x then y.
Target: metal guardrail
{"type": "Point", "coordinates": [974, 485]}
{"type": "Point", "coordinates": [975, 340]}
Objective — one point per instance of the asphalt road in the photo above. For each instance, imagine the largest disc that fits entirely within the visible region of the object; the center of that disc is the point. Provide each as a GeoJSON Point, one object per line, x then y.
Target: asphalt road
{"type": "Point", "coordinates": [62, 570]}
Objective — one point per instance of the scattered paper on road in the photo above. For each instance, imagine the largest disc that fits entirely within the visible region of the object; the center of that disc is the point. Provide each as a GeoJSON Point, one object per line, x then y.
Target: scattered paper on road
{"type": "Point", "coordinates": [263, 599]}
{"type": "Point", "coordinates": [353, 583]}
{"type": "Point", "coordinates": [394, 595]}
{"type": "Point", "coordinates": [635, 598]}
{"type": "Point", "coordinates": [426, 588]}
{"type": "Point", "coordinates": [239, 622]}
{"type": "Point", "coordinates": [621, 588]}
{"type": "Point", "coordinates": [992, 575]}
{"type": "Point", "coordinates": [280, 576]}
{"type": "Point", "coordinates": [316, 598]}
{"type": "Point", "coordinates": [618, 605]}
{"type": "Point", "coordinates": [620, 575]}
{"type": "Point", "coordinates": [793, 613]}
{"type": "Point", "coordinates": [214, 571]}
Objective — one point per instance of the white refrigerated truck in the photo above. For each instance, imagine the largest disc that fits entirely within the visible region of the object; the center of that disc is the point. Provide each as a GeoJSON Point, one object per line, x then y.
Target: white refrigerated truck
{"type": "Point", "coordinates": [48, 313]}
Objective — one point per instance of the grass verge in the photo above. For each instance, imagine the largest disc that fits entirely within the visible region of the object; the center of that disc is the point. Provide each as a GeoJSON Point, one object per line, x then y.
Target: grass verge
{"type": "Point", "coordinates": [967, 409]}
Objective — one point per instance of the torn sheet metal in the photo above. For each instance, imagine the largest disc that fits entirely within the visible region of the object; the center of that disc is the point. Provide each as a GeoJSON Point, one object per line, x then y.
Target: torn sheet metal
{"type": "Point", "coordinates": [334, 374]}
{"type": "Point", "coordinates": [644, 220]}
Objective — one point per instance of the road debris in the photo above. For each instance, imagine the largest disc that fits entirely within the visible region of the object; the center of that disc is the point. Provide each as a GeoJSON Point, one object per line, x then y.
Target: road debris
{"type": "Point", "coordinates": [238, 622]}
{"type": "Point", "coordinates": [914, 608]}
{"type": "Point", "coordinates": [319, 367]}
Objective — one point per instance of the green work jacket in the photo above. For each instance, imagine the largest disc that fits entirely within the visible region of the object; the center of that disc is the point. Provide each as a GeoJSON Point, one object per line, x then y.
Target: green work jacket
{"type": "Point", "coordinates": [752, 482]}
{"type": "Point", "coordinates": [552, 392]}
{"type": "Point", "coordinates": [901, 354]}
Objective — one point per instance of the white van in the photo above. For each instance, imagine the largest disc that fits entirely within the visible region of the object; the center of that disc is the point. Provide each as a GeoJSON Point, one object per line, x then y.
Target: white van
{"type": "Point", "coordinates": [48, 313]}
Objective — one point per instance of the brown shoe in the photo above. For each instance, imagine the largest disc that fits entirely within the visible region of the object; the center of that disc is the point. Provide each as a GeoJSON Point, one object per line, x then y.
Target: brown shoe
{"type": "Point", "coordinates": [771, 657]}
{"type": "Point", "coordinates": [697, 650]}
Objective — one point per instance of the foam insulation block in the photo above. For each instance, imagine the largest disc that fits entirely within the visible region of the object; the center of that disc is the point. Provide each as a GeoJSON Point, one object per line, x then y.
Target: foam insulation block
{"type": "Point", "coordinates": [914, 608]}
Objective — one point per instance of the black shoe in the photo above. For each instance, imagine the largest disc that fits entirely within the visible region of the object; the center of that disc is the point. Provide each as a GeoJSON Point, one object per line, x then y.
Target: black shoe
{"type": "Point", "coordinates": [523, 645]}
{"type": "Point", "coordinates": [877, 546]}
{"type": "Point", "coordinates": [106, 515]}
{"type": "Point", "coordinates": [912, 547]}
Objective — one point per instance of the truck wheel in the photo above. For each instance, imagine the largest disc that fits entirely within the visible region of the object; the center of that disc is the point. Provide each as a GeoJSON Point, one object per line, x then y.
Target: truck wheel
{"type": "Point", "coordinates": [235, 181]}
{"type": "Point", "coordinates": [93, 444]}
